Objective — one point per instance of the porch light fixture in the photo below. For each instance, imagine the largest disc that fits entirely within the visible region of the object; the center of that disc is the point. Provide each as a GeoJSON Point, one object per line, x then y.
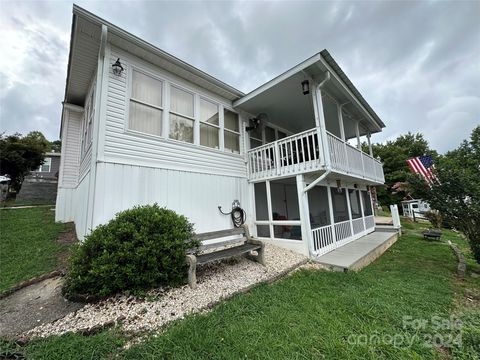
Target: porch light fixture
{"type": "Point", "coordinates": [305, 87]}
{"type": "Point", "coordinates": [117, 67]}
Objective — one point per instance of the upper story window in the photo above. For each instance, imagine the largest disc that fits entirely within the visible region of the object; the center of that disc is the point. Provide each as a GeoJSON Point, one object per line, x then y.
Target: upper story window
{"type": "Point", "coordinates": [146, 104]}
{"type": "Point", "coordinates": [87, 125]}
{"type": "Point", "coordinates": [231, 131]}
{"type": "Point", "coordinates": [181, 115]}
{"type": "Point", "coordinates": [46, 166]}
{"type": "Point", "coordinates": [256, 137]}
{"type": "Point", "coordinates": [209, 124]}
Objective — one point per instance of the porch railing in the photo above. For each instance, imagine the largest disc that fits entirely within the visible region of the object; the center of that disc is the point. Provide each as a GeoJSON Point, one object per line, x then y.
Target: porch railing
{"type": "Point", "coordinates": [330, 237]}
{"type": "Point", "coordinates": [301, 153]}
{"type": "Point", "coordinates": [348, 159]}
{"type": "Point", "coordinates": [291, 155]}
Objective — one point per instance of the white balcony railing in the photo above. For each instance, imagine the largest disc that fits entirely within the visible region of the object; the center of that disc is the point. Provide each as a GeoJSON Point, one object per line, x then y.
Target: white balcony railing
{"type": "Point", "coordinates": [347, 159]}
{"type": "Point", "coordinates": [301, 153]}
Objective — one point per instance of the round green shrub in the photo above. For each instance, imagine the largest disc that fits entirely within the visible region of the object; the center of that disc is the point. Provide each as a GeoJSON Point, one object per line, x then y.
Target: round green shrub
{"type": "Point", "coordinates": [140, 249]}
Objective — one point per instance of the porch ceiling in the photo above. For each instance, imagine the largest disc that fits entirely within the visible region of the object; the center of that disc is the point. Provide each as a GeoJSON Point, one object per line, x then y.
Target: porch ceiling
{"type": "Point", "coordinates": [283, 101]}
{"type": "Point", "coordinates": [284, 104]}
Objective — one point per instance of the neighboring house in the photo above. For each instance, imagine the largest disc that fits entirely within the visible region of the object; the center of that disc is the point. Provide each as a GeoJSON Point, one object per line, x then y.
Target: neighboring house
{"type": "Point", "coordinates": [41, 184]}
{"type": "Point", "coordinates": [417, 206]}
{"type": "Point", "coordinates": [160, 130]}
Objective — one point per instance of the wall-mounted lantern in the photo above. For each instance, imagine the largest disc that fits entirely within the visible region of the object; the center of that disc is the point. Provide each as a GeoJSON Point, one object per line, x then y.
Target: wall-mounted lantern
{"type": "Point", "coordinates": [339, 186]}
{"type": "Point", "coordinates": [117, 67]}
{"type": "Point", "coordinates": [305, 87]}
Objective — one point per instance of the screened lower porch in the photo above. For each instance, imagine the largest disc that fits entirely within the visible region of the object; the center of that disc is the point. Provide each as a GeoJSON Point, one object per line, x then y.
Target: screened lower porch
{"type": "Point", "coordinates": [327, 218]}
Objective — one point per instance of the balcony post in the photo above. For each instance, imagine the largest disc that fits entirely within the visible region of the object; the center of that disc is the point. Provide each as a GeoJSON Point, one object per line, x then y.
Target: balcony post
{"type": "Point", "coordinates": [277, 157]}
{"type": "Point", "coordinates": [369, 144]}
{"type": "Point", "coordinates": [357, 132]}
{"type": "Point", "coordinates": [349, 210]}
{"type": "Point", "coordinates": [306, 229]}
{"type": "Point", "coordinates": [320, 125]}
{"type": "Point", "coordinates": [342, 131]}
{"type": "Point", "coordinates": [332, 216]}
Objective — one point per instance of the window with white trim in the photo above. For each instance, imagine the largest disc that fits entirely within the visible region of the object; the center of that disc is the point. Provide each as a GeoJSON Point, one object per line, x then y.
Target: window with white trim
{"type": "Point", "coordinates": [46, 166]}
{"type": "Point", "coordinates": [181, 115]}
{"type": "Point", "coordinates": [87, 124]}
{"type": "Point", "coordinates": [146, 104]}
{"type": "Point", "coordinates": [231, 131]}
{"type": "Point", "coordinates": [209, 124]}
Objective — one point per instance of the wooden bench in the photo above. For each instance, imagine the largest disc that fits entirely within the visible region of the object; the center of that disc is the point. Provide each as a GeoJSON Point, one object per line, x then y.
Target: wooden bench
{"type": "Point", "coordinates": [239, 246]}
{"type": "Point", "coordinates": [432, 234]}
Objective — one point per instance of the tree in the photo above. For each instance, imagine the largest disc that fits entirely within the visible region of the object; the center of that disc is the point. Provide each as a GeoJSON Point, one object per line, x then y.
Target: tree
{"type": "Point", "coordinates": [56, 146]}
{"type": "Point", "coordinates": [19, 155]}
{"type": "Point", "coordinates": [394, 155]}
{"type": "Point", "coordinates": [456, 194]}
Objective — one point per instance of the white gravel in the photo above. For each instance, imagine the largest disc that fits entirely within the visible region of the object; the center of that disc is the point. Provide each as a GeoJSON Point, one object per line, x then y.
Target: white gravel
{"type": "Point", "coordinates": [215, 282]}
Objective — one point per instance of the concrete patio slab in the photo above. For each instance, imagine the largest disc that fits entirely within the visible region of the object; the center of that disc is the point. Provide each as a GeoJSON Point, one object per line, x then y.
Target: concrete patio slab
{"type": "Point", "coordinates": [359, 253]}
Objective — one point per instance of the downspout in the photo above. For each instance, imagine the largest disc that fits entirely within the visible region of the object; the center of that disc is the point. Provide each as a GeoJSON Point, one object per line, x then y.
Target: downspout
{"type": "Point", "coordinates": [323, 134]}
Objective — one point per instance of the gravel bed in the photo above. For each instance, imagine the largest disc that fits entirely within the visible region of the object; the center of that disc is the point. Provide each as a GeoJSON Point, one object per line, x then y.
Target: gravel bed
{"type": "Point", "coordinates": [215, 282]}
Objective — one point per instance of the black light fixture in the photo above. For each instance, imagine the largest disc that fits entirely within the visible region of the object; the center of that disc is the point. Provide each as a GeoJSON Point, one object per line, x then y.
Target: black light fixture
{"type": "Point", "coordinates": [117, 67]}
{"type": "Point", "coordinates": [339, 186]}
{"type": "Point", "coordinates": [306, 87]}
{"type": "Point", "coordinates": [254, 124]}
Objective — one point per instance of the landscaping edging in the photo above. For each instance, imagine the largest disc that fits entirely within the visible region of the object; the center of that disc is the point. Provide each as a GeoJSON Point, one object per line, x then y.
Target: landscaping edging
{"type": "Point", "coordinates": [31, 281]}
{"type": "Point", "coordinates": [462, 266]}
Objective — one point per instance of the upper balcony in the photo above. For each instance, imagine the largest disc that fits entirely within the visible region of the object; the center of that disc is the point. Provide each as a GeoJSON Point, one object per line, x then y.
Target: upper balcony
{"type": "Point", "coordinates": [304, 153]}
{"type": "Point", "coordinates": [309, 114]}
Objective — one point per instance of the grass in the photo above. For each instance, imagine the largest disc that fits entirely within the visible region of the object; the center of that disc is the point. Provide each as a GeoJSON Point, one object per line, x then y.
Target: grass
{"type": "Point", "coordinates": [313, 315]}
{"type": "Point", "coordinates": [28, 244]}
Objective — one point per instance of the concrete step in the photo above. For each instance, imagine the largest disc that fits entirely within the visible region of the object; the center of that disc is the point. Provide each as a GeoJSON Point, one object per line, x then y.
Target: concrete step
{"type": "Point", "coordinates": [358, 253]}
{"type": "Point", "coordinates": [385, 228]}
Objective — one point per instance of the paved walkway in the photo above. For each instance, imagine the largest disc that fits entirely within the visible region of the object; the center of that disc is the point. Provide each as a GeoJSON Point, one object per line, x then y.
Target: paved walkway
{"type": "Point", "coordinates": [358, 253]}
{"type": "Point", "coordinates": [33, 305]}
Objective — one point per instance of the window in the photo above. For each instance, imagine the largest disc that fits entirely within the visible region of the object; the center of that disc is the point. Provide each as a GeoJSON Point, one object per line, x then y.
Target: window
{"type": "Point", "coordinates": [318, 205]}
{"type": "Point", "coordinates": [87, 125]}
{"type": "Point", "coordinates": [355, 204]}
{"type": "Point", "coordinates": [46, 166]}
{"type": "Point", "coordinates": [261, 206]}
{"type": "Point", "coordinates": [339, 202]}
{"type": "Point", "coordinates": [269, 134]}
{"type": "Point", "coordinates": [367, 204]}
{"type": "Point", "coordinates": [181, 115]}
{"type": "Point", "coordinates": [284, 200]}
{"type": "Point", "coordinates": [231, 131]}
{"type": "Point", "coordinates": [209, 124]}
{"type": "Point", "coordinates": [146, 109]}
{"type": "Point", "coordinates": [256, 137]}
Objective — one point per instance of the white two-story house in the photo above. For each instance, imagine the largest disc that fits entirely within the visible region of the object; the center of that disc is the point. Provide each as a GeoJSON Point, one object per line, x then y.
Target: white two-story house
{"type": "Point", "coordinates": [141, 126]}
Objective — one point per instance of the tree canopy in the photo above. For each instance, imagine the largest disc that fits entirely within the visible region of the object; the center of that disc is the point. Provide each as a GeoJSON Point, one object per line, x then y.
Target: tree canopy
{"type": "Point", "coordinates": [394, 155]}
{"type": "Point", "coordinates": [20, 155]}
{"type": "Point", "coordinates": [456, 194]}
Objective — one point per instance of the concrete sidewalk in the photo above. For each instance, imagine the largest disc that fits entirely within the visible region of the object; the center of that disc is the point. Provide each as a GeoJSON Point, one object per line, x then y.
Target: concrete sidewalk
{"type": "Point", "coordinates": [359, 253]}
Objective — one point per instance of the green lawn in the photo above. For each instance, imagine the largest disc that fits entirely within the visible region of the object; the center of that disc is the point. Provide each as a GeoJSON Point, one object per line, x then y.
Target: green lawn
{"type": "Point", "coordinates": [28, 245]}
{"type": "Point", "coordinates": [314, 315]}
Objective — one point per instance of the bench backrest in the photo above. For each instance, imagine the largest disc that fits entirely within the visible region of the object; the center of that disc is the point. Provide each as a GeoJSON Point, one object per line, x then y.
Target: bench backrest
{"type": "Point", "coordinates": [220, 234]}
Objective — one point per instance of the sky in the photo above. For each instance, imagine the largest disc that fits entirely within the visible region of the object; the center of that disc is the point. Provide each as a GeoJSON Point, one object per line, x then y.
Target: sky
{"type": "Point", "coordinates": [416, 63]}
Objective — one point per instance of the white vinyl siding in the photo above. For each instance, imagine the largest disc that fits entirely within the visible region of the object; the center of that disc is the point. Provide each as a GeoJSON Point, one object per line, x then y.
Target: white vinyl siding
{"type": "Point", "coordinates": [71, 135]}
{"type": "Point", "coordinates": [87, 125]}
{"type": "Point", "coordinates": [136, 148]}
{"type": "Point", "coordinates": [145, 113]}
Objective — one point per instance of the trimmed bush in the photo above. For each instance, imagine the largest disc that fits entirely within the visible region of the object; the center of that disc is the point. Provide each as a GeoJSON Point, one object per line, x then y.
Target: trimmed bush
{"type": "Point", "coordinates": [140, 249]}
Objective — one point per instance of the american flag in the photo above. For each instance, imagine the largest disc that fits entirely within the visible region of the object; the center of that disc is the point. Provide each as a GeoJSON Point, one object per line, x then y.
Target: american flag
{"type": "Point", "coordinates": [423, 165]}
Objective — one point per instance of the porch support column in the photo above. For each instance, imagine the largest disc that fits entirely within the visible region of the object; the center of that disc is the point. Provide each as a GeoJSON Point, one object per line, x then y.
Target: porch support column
{"type": "Point", "coordinates": [357, 132]}
{"type": "Point", "coordinates": [349, 210]}
{"type": "Point", "coordinates": [369, 144]}
{"type": "Point", "coordinates": [304, 215]}
{"type": "Point", "coordinates": [332, 218]}
{"type": "Point", "coordinates": [340, 121]}
{"type": "Point", "coordinates": [269, 207]}
{"type": "Point", "coordinates": [360, 197]}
